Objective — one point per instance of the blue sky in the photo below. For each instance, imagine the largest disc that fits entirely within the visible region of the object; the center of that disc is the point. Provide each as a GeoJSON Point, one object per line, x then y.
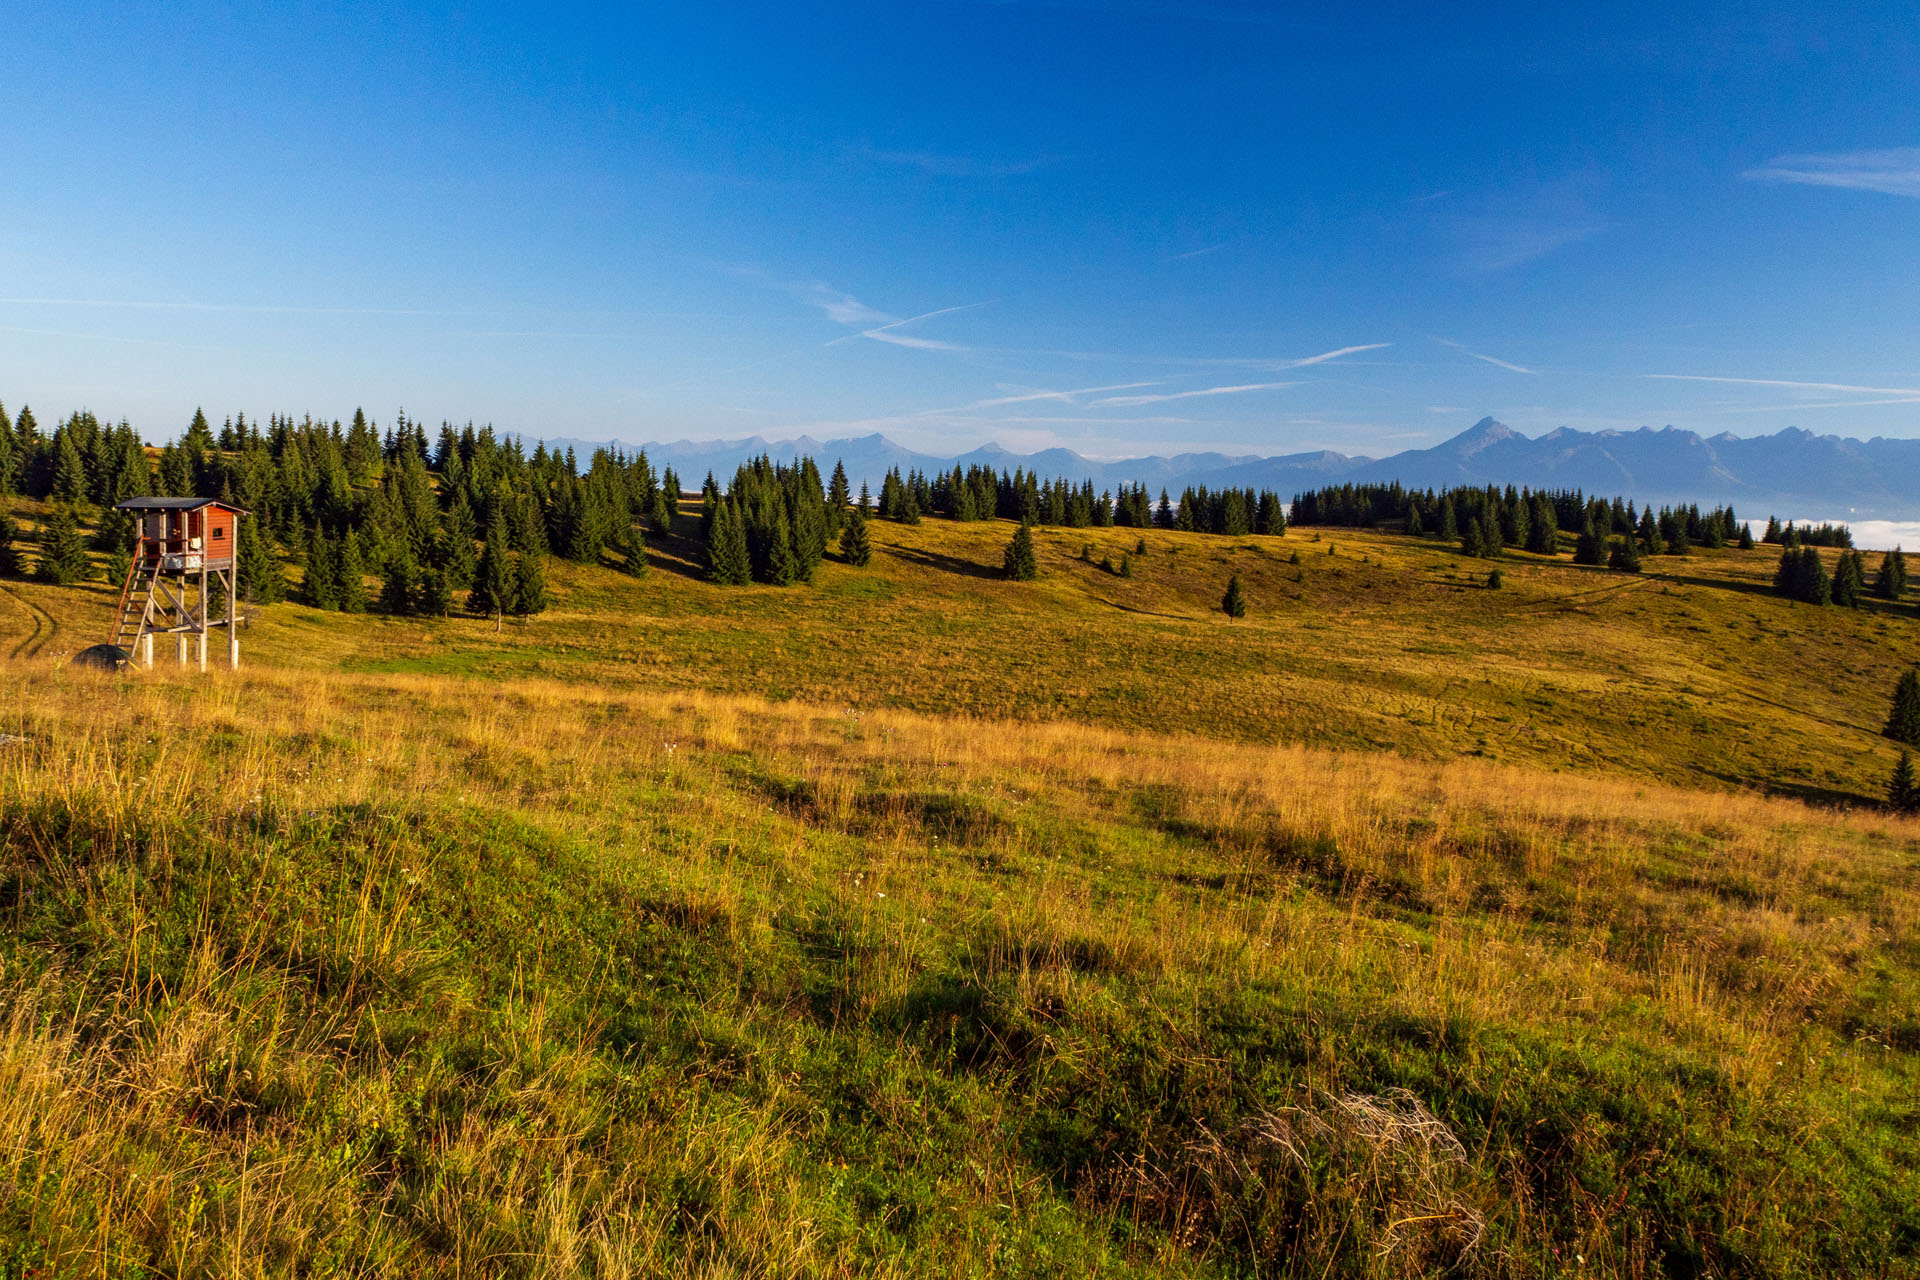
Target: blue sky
{"type": "Point", "coordinates": [1119, 227]}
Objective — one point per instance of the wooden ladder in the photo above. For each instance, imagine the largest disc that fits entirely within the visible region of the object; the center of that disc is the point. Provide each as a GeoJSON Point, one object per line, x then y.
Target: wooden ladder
{"type": "Point", "coordinates": [136, 605]}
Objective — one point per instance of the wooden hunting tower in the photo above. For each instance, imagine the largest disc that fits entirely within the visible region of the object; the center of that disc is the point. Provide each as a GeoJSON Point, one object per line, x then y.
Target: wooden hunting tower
{"type": "Point", "coordinates": [183, 563]}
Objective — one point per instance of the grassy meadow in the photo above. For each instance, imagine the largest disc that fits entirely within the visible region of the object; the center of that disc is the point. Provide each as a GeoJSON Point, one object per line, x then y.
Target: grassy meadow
{"type": "Point", "coordinates": [921, 923]}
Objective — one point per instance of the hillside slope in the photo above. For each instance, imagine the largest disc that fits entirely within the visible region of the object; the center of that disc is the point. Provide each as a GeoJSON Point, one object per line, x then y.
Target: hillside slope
{"type": "Point", "coordinates": [1691, 672]}
{"type": "Point", "coordinates": [918, 922]}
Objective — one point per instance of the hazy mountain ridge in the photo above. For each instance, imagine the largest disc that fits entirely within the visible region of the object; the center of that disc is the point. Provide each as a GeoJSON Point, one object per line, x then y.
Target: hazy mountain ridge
{"type": "Point", "coordinates": [1792, 471]}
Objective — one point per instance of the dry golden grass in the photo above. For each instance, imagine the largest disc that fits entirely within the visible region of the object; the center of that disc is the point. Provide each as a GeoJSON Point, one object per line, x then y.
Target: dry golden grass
{"type": "Point", "coordinates": [399, 972]}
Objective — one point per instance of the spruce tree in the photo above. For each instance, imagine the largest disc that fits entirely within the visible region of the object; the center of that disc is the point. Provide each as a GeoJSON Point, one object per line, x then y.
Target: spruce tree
{"type": "Point", "coordinates": [727, 561]}
{"type": "Point", "coordinates": [1626, 556]}
{"type": "Point", "coordinates": [1495, 581]}
{"type": "Point", "coordinates": [633, 551]}
{"type": "Point", "coordinates": [1849, 585]}
{"type": "Point", "coordinates": [1126, 566]}
{"type": "Point", "coordinates": [63, 555]}
{"type": "Point", "coordinates": [783, 566]}
{"type": "Point", "coordinates": [1021, 563]}
{"type": "Point", "coordinates": [10, 566]}
{"type": "Point", "coordinates": [1449, 529]}
{"type": "Point", "coordinates": [119, 565]}
{"type": "Point", "coordinates": [114, 532]}
{"type": "Point", "coordinates": [1650, 540]}
{"type": "Point", "coordinates": [1472, 541]}
{"type": "Point", "coordinates": [1891, 582]}
{"type": "Point", "coordinates": [353, 576]}
{"type": "Point", "coordinates": [436, 593]}
{"type": "Point", "coordinates": [259, 577]}
{"type": "Point", "coordinates": [1589, 548]}
{"type": "Point", "coordinates": [1746, 537]}
{"type": "Point", "coordinates": [398, 587]}
{"type": "Point", "coordinates": [321, 587]}
{"type": "Point", "coordinates": [1903, 795]}
{"type": "Point", "coordinates": [529, 593]}
{"type": "Point", "coordinates": [856, 548]}
{"type": "Point", "coordinates": [492, 583]}
{"type": "Point", "coordinates": [1234, 602]}
{"type": "Point", "coordinates": [69, 473]}
{"type": "Point", "coordinates": [837, 490]}
{"type": "Point", "coordinates": [1785, 572]}
{"type": "Point", "coordinates": [1811, 585]}
{"type": "Point", "coordinates": [1903, 721]}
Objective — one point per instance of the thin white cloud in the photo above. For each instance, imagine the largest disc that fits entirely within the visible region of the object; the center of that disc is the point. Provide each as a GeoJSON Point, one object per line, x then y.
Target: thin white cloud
{"type": "Point", "coordinates": [1787, 382]}
{"type": "Point", "coordinates": [1508, 365]}
{"type": "Point", "coordinates": [908, 340]}
{"type": "Point", "coordinates": [844, 308]}
{"type": "Point", "coordinates": [1197, 253]}
{"type": "Point", "coordinates": [1272, 363]}
{"type": "Point", "coordinates": [1064, 397]}
{"type": "Point", "coordinates": [1124, 401]}
{"type": "Point", "coordinates": [890, 332]}
{"type": "Point", "coordinates": [1801, 406]}
{"type": "Point", "coordinates": [1893, 171]}
{"type": "Point", "coordinates": [1325, 356]}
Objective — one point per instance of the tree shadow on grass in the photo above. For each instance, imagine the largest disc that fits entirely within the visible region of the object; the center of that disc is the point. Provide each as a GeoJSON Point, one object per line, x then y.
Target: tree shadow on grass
{"type": "Point", "coordinates": [1871, 604]}
{"type": "Point", "coordinates": [950, 564]}
{"type": "Point", "coordinates": [678, 553]}
{"type": "Point", "coordinates": [1718, 584]}
{"type": "Point", "coordinates": [1805, 792]}
{"type": "Point", "coordinates": [1148, 613]}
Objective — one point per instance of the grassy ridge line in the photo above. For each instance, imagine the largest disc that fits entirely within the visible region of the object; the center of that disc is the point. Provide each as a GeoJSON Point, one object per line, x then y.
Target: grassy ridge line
{"type": "Point", "coordinates": [548, 979]}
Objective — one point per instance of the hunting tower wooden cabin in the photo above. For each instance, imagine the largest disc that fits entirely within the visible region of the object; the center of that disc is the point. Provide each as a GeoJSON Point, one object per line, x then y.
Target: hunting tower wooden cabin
{"type": "Point", "coordinates": [183, 563]}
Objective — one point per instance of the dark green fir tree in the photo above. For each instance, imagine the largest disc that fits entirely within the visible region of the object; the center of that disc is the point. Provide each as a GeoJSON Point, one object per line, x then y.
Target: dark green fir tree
{"type": "Point", "coordinates": [727, 561]}
{"type": "Point", "coordinates": [399, 587]}
{"type": "Point", "coordinates": [1903, 794]}
{"type": "Point", "coordinates": [1903, 720]}
{"type": "Point", "coordinates": [353, 576]}
{"type": "Point", "coordinates": [1891, 582]}
{"type": "Point", "coordinates": [856, 547]}
{"type": "Point", "coordinates": [529, 594]}
{"type": "Point", "coordinates": [492, 576]}
{"type": "Point", "coordinates": [321, 587]}
{"type": "Point", "coordinates": [1234, 602]}
{"type": "Point", "coordinates": [260, 580]}
{"type": "Point", "coordinates": [436, 593]}
{"type": "Point", "coordinates": [1021, 563]}
{"type": "Point", "coordinates": [1849, 581]}
{"type": "Point", "coordinates": [1589, 547]}
{"type": "Point", "coordinates": [10, 566]}
{"type": "Point", "coordinates": [63, 554]}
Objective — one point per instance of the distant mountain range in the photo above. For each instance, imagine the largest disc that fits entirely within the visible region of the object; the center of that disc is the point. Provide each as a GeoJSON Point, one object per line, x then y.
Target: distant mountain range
{"type": "Point", "coordinates": [1792, 472]}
